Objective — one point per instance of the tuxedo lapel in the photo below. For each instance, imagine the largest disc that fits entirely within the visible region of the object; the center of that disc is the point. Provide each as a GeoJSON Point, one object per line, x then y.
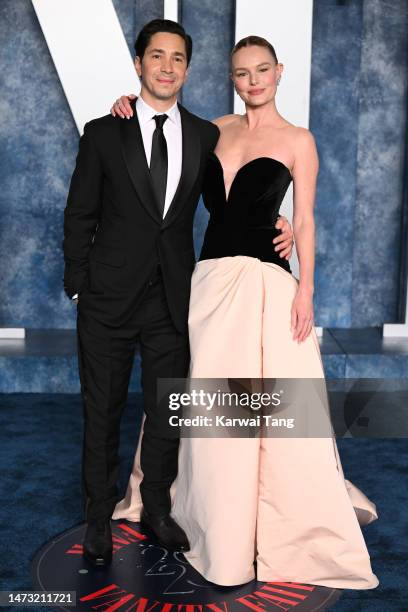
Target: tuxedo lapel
{"type": "Point", "coordinates": [191, 151]}
{"type": "Point", "coordinates": [136, 163]}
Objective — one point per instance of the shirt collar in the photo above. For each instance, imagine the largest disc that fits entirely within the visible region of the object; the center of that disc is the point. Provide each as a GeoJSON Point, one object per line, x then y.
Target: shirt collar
{"type": "Point", "coordinates": [146, 113]}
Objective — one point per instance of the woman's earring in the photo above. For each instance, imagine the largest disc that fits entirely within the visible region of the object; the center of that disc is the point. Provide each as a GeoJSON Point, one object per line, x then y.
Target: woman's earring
{"type": "Point", "coordinates": [278, 81]}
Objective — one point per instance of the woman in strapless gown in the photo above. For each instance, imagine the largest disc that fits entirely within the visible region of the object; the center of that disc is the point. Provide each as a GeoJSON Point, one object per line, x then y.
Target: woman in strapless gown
{"type": "Point", "coordinates": [282, 503]}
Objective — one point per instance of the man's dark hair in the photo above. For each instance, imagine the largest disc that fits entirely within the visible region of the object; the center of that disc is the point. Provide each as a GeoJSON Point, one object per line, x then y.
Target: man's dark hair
{"type": "Point", "coordinates": [162, 25]}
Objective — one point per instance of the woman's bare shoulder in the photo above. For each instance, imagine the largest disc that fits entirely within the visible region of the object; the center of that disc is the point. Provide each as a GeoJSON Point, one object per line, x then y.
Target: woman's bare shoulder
{"type": "Point", "coordinates": [305, 150]}
{"type": "Point", "coordinates": [226, 120]}
{"type": "Point", "coordinates": [300, 139]}
{"type": "Point", "coordinates": [303, 136]}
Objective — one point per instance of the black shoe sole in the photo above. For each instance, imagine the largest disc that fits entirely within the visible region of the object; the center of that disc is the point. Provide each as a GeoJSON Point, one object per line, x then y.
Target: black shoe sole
{"type": "Point", "coordinates": [97, 561]}
{"type": "Point", "coordinates": [147, 527]}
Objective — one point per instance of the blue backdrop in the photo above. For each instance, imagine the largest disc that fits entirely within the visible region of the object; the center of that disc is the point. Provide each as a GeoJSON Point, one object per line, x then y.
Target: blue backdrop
{"type": "Point", "coordinates": [358, 116]}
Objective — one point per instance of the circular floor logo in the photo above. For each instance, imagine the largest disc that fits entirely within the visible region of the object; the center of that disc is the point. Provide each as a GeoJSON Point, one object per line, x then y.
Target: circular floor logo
{"type": "Point", "coordinates": [144, 576]}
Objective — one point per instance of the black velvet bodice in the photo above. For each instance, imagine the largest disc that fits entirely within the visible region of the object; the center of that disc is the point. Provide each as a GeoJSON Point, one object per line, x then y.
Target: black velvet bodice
{"type": "Point", "coordinates": [244, 223]}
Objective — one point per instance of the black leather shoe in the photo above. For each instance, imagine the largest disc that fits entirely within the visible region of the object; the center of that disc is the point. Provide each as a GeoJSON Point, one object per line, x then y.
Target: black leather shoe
{"type": "Point", "coordinates": [167, 531]}
{"type": "Point", "coordinates": [97, 545]}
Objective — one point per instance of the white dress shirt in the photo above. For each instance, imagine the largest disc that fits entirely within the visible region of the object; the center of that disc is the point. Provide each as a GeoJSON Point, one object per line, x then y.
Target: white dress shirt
{"type": "Point", "coordinates": [173, 134]}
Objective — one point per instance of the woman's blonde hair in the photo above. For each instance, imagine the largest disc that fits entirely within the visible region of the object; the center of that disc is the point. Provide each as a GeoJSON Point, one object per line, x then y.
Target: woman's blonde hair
{"type": "Point", "coordinates": [254, 41]}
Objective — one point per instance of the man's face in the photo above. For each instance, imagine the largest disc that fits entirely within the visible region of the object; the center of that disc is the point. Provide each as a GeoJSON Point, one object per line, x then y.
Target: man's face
{"type": "Point", "coordinates": [163, 68]}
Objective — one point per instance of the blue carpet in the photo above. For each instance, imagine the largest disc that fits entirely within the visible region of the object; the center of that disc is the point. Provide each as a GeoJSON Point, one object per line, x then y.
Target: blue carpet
{"type": "Point", "coordinates": [41, 441]}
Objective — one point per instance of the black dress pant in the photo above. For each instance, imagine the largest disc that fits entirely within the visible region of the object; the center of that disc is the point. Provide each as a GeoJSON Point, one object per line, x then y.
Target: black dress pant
{"type": "Point", "coordinates": [105, 359]}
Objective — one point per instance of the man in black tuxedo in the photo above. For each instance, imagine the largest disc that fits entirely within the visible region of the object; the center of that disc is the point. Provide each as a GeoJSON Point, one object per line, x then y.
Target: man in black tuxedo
{"type": "Point", "coordinates": [129, 256]}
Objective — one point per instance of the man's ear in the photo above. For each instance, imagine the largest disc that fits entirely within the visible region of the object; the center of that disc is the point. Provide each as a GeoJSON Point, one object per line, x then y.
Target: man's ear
{"type": "Point", "coordinates": [138, 66]}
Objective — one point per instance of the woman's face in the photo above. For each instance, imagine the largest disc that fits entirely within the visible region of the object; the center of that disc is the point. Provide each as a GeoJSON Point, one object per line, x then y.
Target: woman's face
{"type": "Point", "coordinates": [255, 73]}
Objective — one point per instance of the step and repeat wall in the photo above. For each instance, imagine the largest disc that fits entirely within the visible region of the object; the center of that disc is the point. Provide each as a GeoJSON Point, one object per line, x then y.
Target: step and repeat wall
{"type": "Point", "coordinates": [63, 63]}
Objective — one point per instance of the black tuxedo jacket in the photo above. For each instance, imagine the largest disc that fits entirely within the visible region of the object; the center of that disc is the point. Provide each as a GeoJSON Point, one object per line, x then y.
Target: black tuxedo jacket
{"type": "Point", "coordinates": [114, 235]}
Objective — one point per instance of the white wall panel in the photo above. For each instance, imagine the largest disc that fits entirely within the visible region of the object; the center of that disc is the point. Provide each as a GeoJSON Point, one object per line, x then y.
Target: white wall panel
{"type": "Point", "coordinates": [90, 54]}
{"type": "Point", "coordinates": [171, 9]}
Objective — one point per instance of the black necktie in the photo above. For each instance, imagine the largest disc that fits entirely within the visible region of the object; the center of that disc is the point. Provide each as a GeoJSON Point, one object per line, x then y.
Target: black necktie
{"type": "Point", "coordinates": [158, 161]}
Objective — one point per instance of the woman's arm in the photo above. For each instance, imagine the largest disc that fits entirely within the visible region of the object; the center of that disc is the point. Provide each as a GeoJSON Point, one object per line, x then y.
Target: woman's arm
{"type": "Point", "coordinates": [305, 170]}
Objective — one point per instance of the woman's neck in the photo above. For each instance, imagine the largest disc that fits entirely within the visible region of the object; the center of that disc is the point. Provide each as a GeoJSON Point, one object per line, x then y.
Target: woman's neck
{"type": "Point", "coordinates": [260, 116]}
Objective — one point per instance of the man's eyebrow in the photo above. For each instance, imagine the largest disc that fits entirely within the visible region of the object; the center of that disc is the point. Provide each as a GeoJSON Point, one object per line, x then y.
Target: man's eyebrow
{"type": "Point", "coordinates": [163, 51]}
{"type": "Point", "coordinates": [257, 66]}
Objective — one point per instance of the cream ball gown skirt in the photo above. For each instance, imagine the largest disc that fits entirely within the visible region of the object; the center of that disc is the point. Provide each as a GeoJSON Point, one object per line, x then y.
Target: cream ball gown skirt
{"type": "Point", "coordinates": [282, 502]}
